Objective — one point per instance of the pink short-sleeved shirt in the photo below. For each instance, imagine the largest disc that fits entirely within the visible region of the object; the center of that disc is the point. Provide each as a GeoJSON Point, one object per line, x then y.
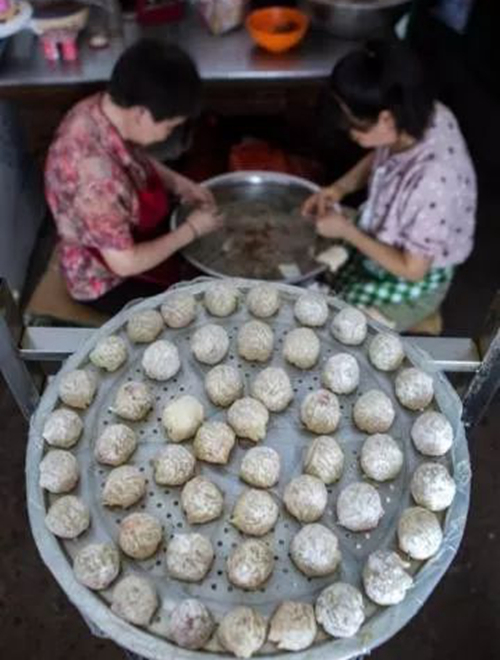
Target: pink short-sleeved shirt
{"type": "Point", "coordinates": [423, 200]}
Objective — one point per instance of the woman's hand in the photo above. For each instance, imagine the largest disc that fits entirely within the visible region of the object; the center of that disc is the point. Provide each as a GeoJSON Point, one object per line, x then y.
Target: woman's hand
{"type": "Point", "coordinates": [193, 193]}
{"type": "Point", "coordinates": [334, 225]}
{"type": "Point", "coordinates": [205, 220]}
{"type": "Point", "coordinates": [319, 203]}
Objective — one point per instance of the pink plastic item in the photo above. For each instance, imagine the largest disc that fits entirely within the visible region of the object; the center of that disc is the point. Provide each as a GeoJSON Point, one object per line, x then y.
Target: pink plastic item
{"type": "Point", "coordinates": [59, 43]}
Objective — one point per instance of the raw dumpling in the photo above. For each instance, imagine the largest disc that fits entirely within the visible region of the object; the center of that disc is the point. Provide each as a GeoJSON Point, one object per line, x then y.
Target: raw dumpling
{"type": "Point", "coordinates": [432, 434]}
{"type": "Point", "coordinates": [133, 401]}
{"type": "Point", "coordinates": [293, 626]}
{"type": "Point", "coordinates": [272, 387]}
{"type": "Point", "coordinates": [115, 445]}
{"type": "Point", "coordinates": [385, 578]}
{"type": "Point", "coordinates": [144, 327]}
{"type": "Point", "coordinates": [433, 487]}
{"type": "Point", "coordinates": [373, 412]}
{"type": "Point", "coordinates": [191, 624]}
{"type": "Point", "coordinates": [341, 373]}
{"type": "Point", "coordinates": [349, 326]}
{"type": "Point", "coordinates": [97, 565]}
{"type": "Point", "coordinates": [182, 418]}
{"type": "Point", "coordinates": [210, 344]}
{"type": "Point", "coordinates": [77, 388]}
{"type": "Point", "coordinates": [250, 564]}
{"type": "Point", "coordinates": [315, 550]}
{"type": "Point", "coordinates": [242, 632]}
{"type": "Point", "coordinates": [224, 385]}
{"type": "Point", "coordinates": [68, 517]}
{"type": "Point", "coordinates": [135, 600]}
{"type": "Point", "coordinates": [311, 309]}
{"type": "Point", "coordinates": [63, 428]}
{"type": "Point", "coordinates": [221, 299]}
{"type": "Point", "coordinates": [140, 535]}
{"type": "Point", "coordinates": [248, 419]}
{"type": "Point", "coordinates": [340, 610]}
{"type": "Point", "coordinates": [189, 557]}
{"type": "Point", "coordinates": [255, 513]}
{"type": "Point", "coordinates": [414, 388]}
{"type": "Point", "coordinates": [301, 348]}
{"type": "Point", "coordinates": [124, 486]}
{"type": "Point", "coordinates": [263, 300]}
{"type": "Point", "coordinates": [381, 458]}
{"type": "Point", "coordinates": [110, 353]}
{"type": "Point", "coordinates": [386, 351]}
{"type": "Point", "coordinates": [305, 497]}
{"type": "Point", "coordinates": [320, 412]}
{"type": "Point", "coordinates": [324, 459]}
{"type": "Point", "coordinates": [173, 466]}
{"type": "Point", "coordinates": [179, 310]}
{"type": "Point", "coordinates": [201, 500]}
{"type": "Point", "coordinates": [213, 442]}
{"type": "Point", "coordinates": [359, 507]}
{"type": "Point", "coordinates": [59, 471]}
{"type": "Point", "coordinates": [260, 467]}
{"type": "Point", "coordinates": [255, 341]}
{"type": "Point", "coordinates": [161, 360]}
{"type": "Point", "coordinates": [419, 533]}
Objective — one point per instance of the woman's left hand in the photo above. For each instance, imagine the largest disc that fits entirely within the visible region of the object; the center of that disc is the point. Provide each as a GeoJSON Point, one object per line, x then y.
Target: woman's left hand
{"type": "Point", "coordinates": [333, 225]}
{"type": "Point", "coordinates": [193, 193]}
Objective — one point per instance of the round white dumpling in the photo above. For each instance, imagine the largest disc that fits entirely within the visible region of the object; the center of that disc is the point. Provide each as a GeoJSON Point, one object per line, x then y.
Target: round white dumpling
{"type": "Point", "coordinates": [305, 498]}
{"type": "Point", "coordinates": [135, 600]}
{"type": "Point", "coordinates": [224, 385]}
{"type": "Point", "coordinates": [144, 327]}
{"type": "Point", "coordinates": [324, 459]}
{"type": "Point", "coordinates": [263, 300]}
{"type": "Point", "coordinates": [110, 353]}
{"type": "Point", "coordinates": [221, 299]}
{"type": "Point", "coordinates": [248, 419]}
{"type": "Point", "coordinates": [68, 517]}
{"type": "Point", "coordinates": [359, 507]}
{"type": "Point", "coordinates": [255, 341]}
{"type": "Point", "coordinates": [419, 533]}
{"type": "Point", "coordinates": [260, 467]}
{"type": "Point", "coordinates": [311, 309]}
{"type": "Point", "coordinates": [255, 513]}
{"type": "Point", "coordinates": [140, 535]}
{"type": "Point", "coordinates": [97, 565]}
{"type": "Point", "coordinates": [161, 360]}
{"type": "Point", "coordinates": [414, 388]}
{"type": "Point", "coordinates": [115, 445]}
{"type": "Point", "coordinates": [202, 501]}
{"type": "Point", "coordinates": [62, 429]}
{"type": "Point", "coordinates": [349, 326]}
{"type": "Point", "coordinates": [213, 442]}
{"type": "Point", "coordinates": [59, 471]}
{"type": "Point", "coordinates": [124, 486]}
{"type": "Point", "coordinates": [191, 624]}
{"type": "Point", "coordinates": [250, 564]}
{"type": "Point", "coordinates": [301, 348]}
{"type": "Point", "coordinates": [320, 412]}
{"type": "Point", "coordinates": [432, 434]}
{"type": "Point", "coordinates": [179, 310]}
{"type": "Point", "coordinates": [189, 557]}
{"type": "Point", "coordinates": [386, 351]}
{"type": "Point", "coordinates": [340, 610]}
{"type": "Point", "coordinates": [210, 344]}
{"type": "Point", "coordinates": [242, 632]}
{"type": "Point", "coordinates": [133, 401]}
{"type": "Point", "coordinates": [373, 412]}
{"type": "Point", "coordinates": [182, 418]}
{"type": "Point", "coordinates": [381, 458]}
{"type": "Point", "coordinates": [341, 373]}
{"type": "Point", "coordinates": [315, 550]}
{"type": "Point", "coordinates": [385, 578]}
{"type": "Point", "coordinates": [432, 486]}
{"type": "Point", "coordinates": [173, 466]}
{"type": "Point", "coordinates": [77, 388]}
{"type": "Point", "coordinates": [273, 388]}
{"type": "Point", "coordinates": [293, 626]}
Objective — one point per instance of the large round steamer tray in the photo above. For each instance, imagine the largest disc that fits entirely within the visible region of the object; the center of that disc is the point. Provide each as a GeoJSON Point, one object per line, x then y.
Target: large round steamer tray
{"type": "Point", "coordinates": [289, 438]}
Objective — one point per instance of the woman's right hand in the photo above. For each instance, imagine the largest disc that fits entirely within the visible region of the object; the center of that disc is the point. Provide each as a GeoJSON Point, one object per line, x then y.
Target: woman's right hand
{"type": "Point", "coordinates": [322, 201]}
{"type": "Point", "coordinates": [205, 220]}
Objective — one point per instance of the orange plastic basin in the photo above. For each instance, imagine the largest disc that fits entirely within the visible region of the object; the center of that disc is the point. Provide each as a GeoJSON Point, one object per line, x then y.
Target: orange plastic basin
{"type": "Point", "coordinates": [277, 29]}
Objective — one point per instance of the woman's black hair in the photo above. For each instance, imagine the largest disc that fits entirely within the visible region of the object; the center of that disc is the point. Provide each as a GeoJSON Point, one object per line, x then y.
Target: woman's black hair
{"type": "Point", "coordinates": [384, 75]}
{"type": "Point", "coordinates": [159, 77]}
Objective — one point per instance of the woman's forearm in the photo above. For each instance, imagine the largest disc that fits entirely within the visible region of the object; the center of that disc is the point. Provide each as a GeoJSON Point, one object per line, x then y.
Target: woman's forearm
{"type": "Point", "coordinates": [356, 178]}
{"type": "Point", "coordinates": [168, 176]}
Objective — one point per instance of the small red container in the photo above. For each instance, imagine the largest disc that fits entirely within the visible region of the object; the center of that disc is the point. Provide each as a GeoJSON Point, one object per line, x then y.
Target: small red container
{"type": "Point", "coordinates": [163, 11]}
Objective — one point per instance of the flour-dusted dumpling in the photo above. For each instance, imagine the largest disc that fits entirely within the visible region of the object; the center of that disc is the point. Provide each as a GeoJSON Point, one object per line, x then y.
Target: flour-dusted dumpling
{"type": "Point", "coordinates": [349, 326]}
{"type": "Point", "coordinates": [221, 299]}
{"type": "Point", "coordinates": [115, 445]}
{"type": "Point", "coordinates": [202, 501]}
{"type": "Point", "coordinates": [135, 600]}
{"type": "Point", "coordinates": [340, 610]}
{"type": "Point", "coordinates": [68, 517]}
{"type": "Point", "coordinates": [306, 497]}
{"type": "Point", "coordinates": [386, 351]}
{"type": "Point", "coordinates": [124, 486]}
{"type": "Point", "coordinates": [261, 467]}
{"type": "Point", "coordinates": [144, 327]}
{"type": "Point", "coordinates": [255, 341]}
{"type": "Point", "coordinates": [59, 471]}
{"type": "Point", "coordinates": [301, 348]}
{"type": "Point", "coordinates": [210, 344]}
{"type": "Point", "coordinates": [97, 565]}
{"type": "Point", "coordinates": [250, 564]}
{"type": "Point", "coordinates": [273, 388]}
{"type": "Point", "coordinates": [62, 429]}
{"type": "Point", "coordinates": [381, 458]}
{"type": "Point", "coordinates": [255, 512]}
{"type": "Point", "coordinates": [324, 459]}
{"type": "Point", "coordinates": [173, 466]}
{"type": "Point", "coordinates": [341, 373]}
{"type": "Point", "coordinates": [414, 388]}
{"type": "Point", "coordinates": [359, 507]}
{"type": "Point", "coordinates": [320, 412]}
{"type": "Point", "coordinates": [213, 442]}
{"type": "Point", "coordinates": [242, 632]}
{"type": "Point", "coordinates": [140, 535]}
{"type": "Point", "coordinates": [248, 419]}
{"type": "Point", "coordinates": [263, 300]}
{"type": "Point", "coordinates": [419, 533]}
{"type": "Point", "coordinates": [110, 353]}
{"type": "Point", "coordinates": [432, 434]}
{"type": "Point", "coordinates": [311, 309]}
{"type": "Point", "coordinates": [161, 360]}
{"type": "Point", "coordinates": [133, 401]}
{"type": "Point", "coordinates": [191, 624]}
{"type": "Point", "coordinates": [433, 487]}
{"type": "Point", "coordinates": [385, 578]}
{"type": "Point", "coordinates": [77, 388]}
{"type": "Point", "coordinates": [315, 550]}
{"type": "Point", "coordinates": [293, 626]}
{"type": "Point", "coordinates": [189, 557]}
{"type": "Point", "coordinates": [179, 310]}
{"type": "Point", "coordinates": [183, 417]}
{"type": "Point", "coordinates": [224, 385]}
{"type": "Point", "coordinates": [373, 412]}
